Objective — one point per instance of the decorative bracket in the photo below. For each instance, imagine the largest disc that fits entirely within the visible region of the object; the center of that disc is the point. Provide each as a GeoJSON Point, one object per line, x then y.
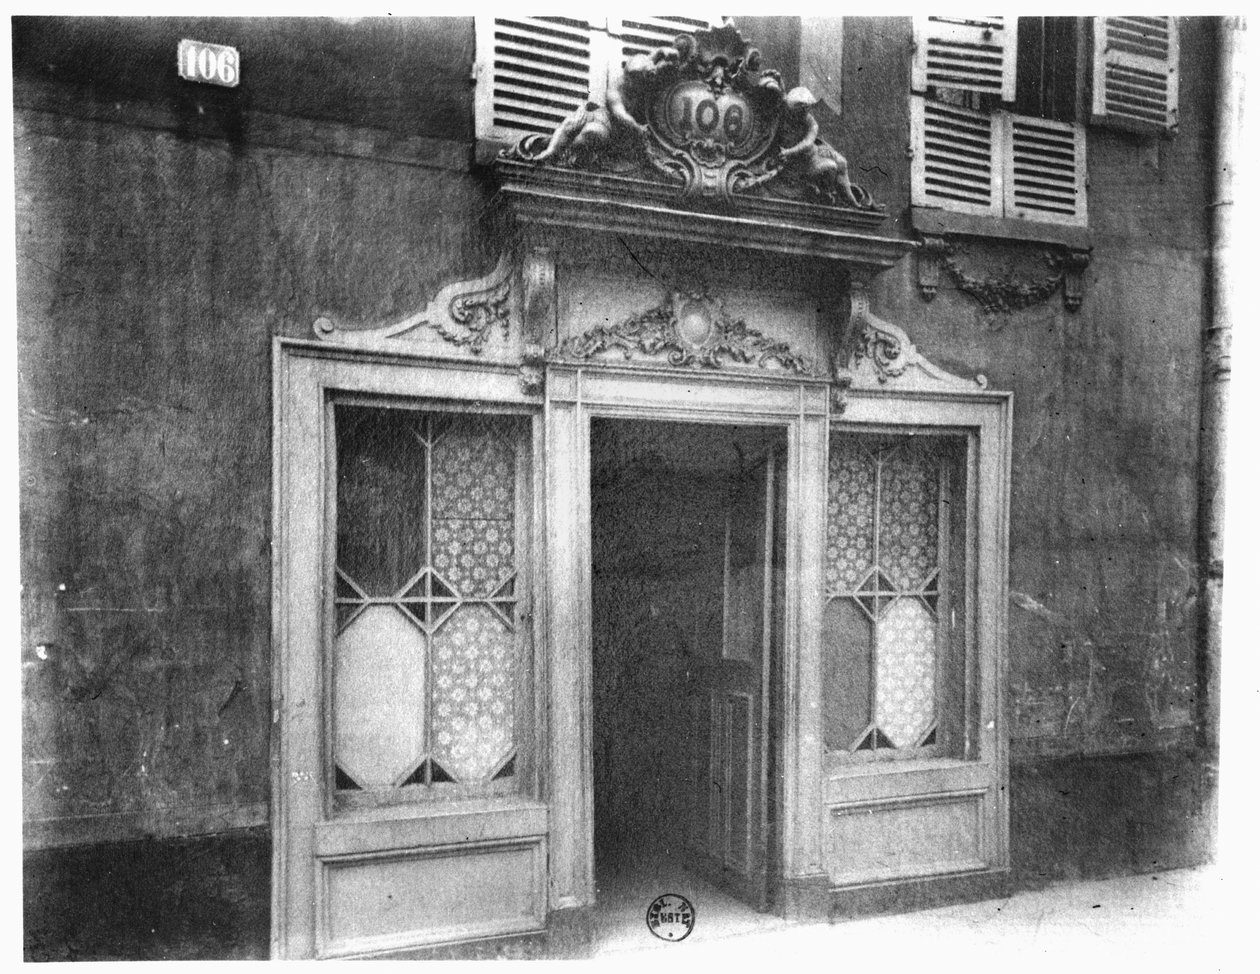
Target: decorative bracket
{"type": "Point", "coordinates": [930, 256]}
{"type": "Point", "coordinates": [1074, 263]}
{"type": "Point", "coordinates": [1002, 294]}
{"type": "Point", "coordinates": [464, 314]}
{"type": "Point", "coordinates": [538, 291]}
{"type": "Point", "coordinates": [873, 352]}
{"type": "Point", "coordinates": [533, 374]}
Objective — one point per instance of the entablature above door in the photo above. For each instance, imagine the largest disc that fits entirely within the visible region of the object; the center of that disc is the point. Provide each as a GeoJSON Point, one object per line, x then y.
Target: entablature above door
{"type": "Point", "coordinates": [699, 143]}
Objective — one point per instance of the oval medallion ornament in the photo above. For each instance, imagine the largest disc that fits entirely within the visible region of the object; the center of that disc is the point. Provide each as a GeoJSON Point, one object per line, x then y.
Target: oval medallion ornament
{"type": "Point", "coordinates": [694, 322]}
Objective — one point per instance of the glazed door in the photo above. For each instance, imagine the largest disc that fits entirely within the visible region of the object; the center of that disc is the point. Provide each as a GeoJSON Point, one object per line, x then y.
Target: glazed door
{"type": "Point", "coordinates": [407, 810]}
{"type": "Point", "coordinates": [729, 693]}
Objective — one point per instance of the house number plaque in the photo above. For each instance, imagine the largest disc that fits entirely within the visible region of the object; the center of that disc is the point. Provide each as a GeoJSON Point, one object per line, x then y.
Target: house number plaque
{"type": "Point", "coordinates": [695, 113]}
{"type": "Point", "coordinates": [211, 64]}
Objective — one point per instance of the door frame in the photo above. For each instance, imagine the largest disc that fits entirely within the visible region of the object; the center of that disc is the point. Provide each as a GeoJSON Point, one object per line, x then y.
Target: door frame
{"type": "Point", "coordinates": [574, 395]}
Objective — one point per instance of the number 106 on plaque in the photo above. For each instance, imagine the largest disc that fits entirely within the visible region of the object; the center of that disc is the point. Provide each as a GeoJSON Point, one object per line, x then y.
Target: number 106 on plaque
{"type": "Point", "coordinates": [213, 64]}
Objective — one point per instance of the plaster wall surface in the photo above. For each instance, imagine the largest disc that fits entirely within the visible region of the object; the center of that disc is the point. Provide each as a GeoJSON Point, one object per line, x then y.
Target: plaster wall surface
{"type": "Point", "coordinates": [154, 271]}
{"type": "Point", "coordinates": [1105, 438]}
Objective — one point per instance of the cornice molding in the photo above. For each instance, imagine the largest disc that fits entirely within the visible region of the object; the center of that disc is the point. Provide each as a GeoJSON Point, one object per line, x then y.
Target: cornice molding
{"type": "Point", "coordinates": [699, 143]}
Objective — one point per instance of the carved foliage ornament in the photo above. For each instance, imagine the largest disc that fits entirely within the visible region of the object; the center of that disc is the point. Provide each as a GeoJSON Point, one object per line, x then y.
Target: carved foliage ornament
{"type": "Point", "coordinates": [693, 330]}
{"type": "Point", "coordinates": [707, 117]}
{"type": "Point", "coordinates": [997, 295]}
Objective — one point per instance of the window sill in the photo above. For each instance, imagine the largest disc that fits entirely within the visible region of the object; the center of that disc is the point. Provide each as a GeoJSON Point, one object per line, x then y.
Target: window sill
{"type": "Point", "coordinates": [933, 221]}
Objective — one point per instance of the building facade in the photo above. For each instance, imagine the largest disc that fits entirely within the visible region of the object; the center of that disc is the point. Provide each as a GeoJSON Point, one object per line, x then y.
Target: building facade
{"type": "Point", "coordinates": [465, 459]}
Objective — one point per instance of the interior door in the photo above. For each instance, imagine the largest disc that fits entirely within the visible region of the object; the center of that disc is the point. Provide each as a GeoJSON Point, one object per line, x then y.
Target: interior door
{"type": "Point", "coordinates": [729, 693]}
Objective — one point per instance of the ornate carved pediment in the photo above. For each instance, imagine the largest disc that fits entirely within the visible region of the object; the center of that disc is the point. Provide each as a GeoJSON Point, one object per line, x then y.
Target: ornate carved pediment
{"type": "Point", "coordinates": [463, 314]}
{"type": "Point", "coordinates": [688, 330]}
{"type": "Point", "coordinates": [706, 119]}
{"type": "Point", "coordinates": [875, 354]}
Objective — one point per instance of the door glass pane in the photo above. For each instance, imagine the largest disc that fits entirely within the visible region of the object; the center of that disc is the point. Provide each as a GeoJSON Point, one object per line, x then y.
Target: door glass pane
{"type": "Point", "coordinates": [846, 673]}
{"type": "Point", "coordinates": [887, 579]}
{"type": "Point", "coordinates": [378, 677]}
{"type": "Point", "coordinates": [905, 672]}
{"type": "Point", "coordinates": [473, 678]}
{"type": "Point", "coordinates": [909, 501]}
{"type": "Point", "coordinates": [380, 498]}
{"type": "Point", "coordinates": [427, 654]}
{"type": "Point", "coordinates": [850, 516]}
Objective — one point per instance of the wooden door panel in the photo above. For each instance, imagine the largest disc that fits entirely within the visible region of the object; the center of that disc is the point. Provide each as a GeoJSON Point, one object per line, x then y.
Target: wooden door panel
{"type": "Point", "coordinates": [729, 711]}
{"type": "Point", "coordinates": [737, 780]}
{"type": "Point", "coordinates": [917, 836]}
{"type": "Point", "coordinates": [442, 894]}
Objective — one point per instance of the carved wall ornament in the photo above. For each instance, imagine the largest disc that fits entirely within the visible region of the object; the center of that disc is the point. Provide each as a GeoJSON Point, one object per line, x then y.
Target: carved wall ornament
{"type": "Point", "coordinates": [464, 314]}
{"type": "Point", "coordinates": [706, 117]}
{"type": "Point", "coordinates": [1074, 263]}
{"type": "Point", "coordinates": [1002, 294]}
{"type": "Point", "coordinates": [873, 353]}
{"type": "Point", "coordinates": [693, 330]}
{"type": "Point", "coordinates": [533, 369]}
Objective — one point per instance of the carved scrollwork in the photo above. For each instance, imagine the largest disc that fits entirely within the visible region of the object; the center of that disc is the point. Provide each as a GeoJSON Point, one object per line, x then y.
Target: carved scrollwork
{"type": "Point", "coordinates": [464, 314]}
{"type": "Point", "coordinates": [708, 118]}
{"type": "Point", "coordinates": [875, 352]}
{"type": "Point", "coordinates": [693, 331]}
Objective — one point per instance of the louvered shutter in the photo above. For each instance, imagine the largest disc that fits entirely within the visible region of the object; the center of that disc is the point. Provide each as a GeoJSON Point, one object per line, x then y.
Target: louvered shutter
{"type": "Point", "coordinates": [532, 72]}
{"type": "Point", "coordinates": [1044, 176]}
{"type": "Point", "coordinates": [967, 53]}
{"type": "Point", "coordinates": [957, 165]}
{"type": "Point", "coordinates": [639, 35]}
{"type": "Point", "coordinates": [1135, 72]}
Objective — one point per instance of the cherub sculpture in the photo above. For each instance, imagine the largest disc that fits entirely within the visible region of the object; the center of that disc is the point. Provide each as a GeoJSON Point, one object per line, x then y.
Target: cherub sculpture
{"type": "Point", "coordinates": [820, 164]}
{"type": "Point", "coordinates": [590, 128]}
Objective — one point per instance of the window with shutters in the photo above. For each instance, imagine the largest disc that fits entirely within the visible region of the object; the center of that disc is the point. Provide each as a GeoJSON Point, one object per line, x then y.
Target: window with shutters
{"type": "Point", "coordinates": [1135, 73]}
{"type": "Point", "coordinates": [999, 103]}
{"type": "Point", "coordinates": [994, 119]}
{"type": "Point", "coordinates": [533, 71]}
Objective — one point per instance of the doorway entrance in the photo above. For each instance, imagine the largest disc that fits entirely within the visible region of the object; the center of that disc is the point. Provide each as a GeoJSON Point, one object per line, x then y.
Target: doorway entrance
{"type": "Point", "coordinates": [687, 540]}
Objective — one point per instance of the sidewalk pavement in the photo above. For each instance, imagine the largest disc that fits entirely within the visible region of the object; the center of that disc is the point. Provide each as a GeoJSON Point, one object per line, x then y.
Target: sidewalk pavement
{"type": "Point", "coordinates": [1190, 920]}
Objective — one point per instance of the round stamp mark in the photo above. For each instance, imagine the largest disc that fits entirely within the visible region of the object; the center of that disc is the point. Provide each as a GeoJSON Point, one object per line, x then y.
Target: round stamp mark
{"type": "Point", "coordinates": [671, 917]}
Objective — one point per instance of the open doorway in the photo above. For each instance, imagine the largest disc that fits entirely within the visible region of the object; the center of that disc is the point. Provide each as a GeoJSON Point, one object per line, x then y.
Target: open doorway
{"type": "Point", "coordinates": [687, 527]}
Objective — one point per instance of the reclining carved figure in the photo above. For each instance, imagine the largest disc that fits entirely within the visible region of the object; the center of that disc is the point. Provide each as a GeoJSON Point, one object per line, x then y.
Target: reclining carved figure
{"type": "Point", "coordinates": [821, 165]}
{"type": "Point", "coordinates": [589, 128]}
